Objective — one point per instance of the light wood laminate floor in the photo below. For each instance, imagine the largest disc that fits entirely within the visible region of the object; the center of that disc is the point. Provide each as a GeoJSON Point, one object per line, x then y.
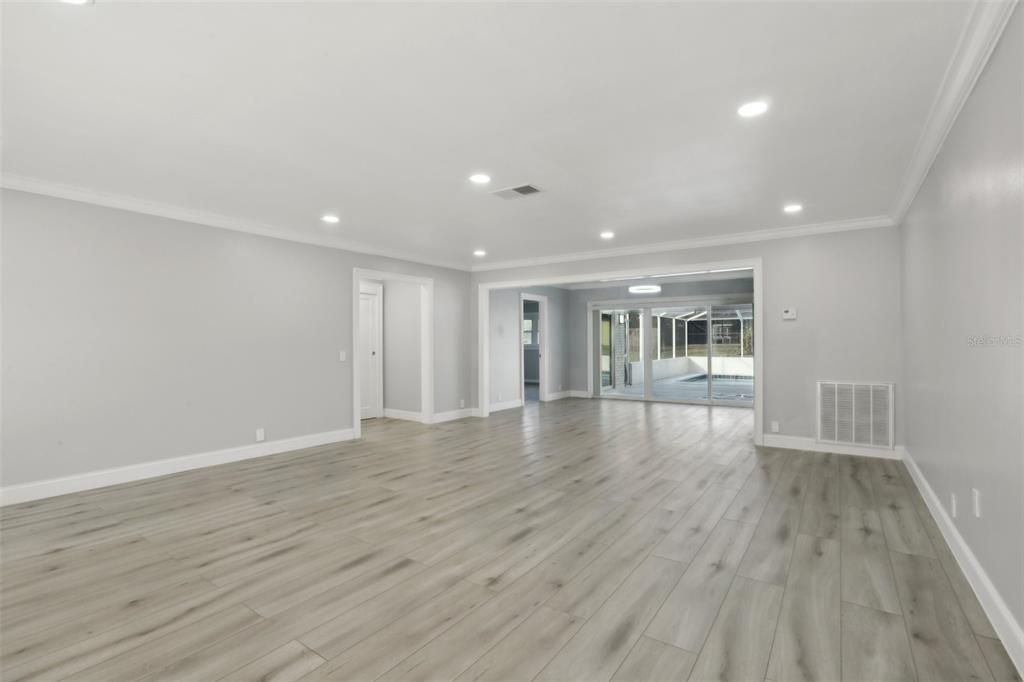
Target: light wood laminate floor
{"type": "Point", "coordinates": [576, 540]}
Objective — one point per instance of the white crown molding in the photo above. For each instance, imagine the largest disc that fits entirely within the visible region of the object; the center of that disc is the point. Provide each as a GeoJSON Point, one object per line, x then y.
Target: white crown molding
{"type": "Point", "coordinates": [981, 33]}
{"type": "Point", "coordinates": [699, 242]}
{"type": "Point", "coordinates": [23, 183]}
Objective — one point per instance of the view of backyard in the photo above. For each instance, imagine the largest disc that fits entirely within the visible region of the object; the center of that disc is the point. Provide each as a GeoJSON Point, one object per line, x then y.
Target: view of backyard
{"type": "Point", "coordinates": [682, 354]}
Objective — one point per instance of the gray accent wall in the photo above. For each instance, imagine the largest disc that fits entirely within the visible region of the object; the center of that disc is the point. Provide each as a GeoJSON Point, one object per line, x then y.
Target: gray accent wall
{"type": "Point", "coordinates": [963, 303]}
{"type": "Point", "coordinates": [129, 338]}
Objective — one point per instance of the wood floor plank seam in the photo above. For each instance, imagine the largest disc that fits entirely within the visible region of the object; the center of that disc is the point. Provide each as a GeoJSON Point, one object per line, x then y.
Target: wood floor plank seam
{"type": "Point", "coordinates": [358, 560]}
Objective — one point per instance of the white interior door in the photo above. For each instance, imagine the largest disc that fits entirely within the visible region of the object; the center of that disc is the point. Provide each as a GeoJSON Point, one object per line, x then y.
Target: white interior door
{"type": "Point", "coordinates": [369, 346]}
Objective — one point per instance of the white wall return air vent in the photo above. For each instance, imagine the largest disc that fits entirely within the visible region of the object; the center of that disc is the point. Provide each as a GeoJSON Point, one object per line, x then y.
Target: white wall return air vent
{"type": "Point", "coordinates": [855, 413]}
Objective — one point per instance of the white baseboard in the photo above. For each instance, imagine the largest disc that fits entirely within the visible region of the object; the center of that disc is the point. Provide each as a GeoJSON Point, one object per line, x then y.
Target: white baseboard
{"type": "Point", "coordinates": [507, 405]}
{"type": "Point", "coordinates": [406, 415]}
{"type": "Point", "coordinates": [1006, 626]}
{"type": "Point", "coordinates": [579, 394]}
{"type": "Point", "coordinates": [441, 417]}
{"type": "Point", "coordinates": [556, 396]}
{"type": "Point", "coordinates": [775, 440]}
{"type": "Point", "coordinates": [26, 492]}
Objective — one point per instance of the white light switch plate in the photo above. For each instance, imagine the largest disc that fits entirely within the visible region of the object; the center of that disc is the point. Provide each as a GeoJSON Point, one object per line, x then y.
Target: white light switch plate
{"type": "Point", "coordinates": [341, 355]}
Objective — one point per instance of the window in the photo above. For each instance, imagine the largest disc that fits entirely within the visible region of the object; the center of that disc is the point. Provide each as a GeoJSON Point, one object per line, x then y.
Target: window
{"type": "Point", "coordinates": [529, 332]}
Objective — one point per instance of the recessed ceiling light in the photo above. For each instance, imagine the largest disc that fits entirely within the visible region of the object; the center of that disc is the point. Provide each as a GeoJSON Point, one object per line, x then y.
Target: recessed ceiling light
{"type": "Point", "coordinates": [330, 218]}
{"type": "Point", "coordinates": [479, 253]}
{"type": "Point", "coordinates": [479, 178]}
{"type": "Point", "coordinates": [752, 109]}
{"type": "Point", "coordinates": [645, 289]}
{"type": "Point", "coordinates": [608, 235]}
{"type": "Point", "coordinates": [793, 208]}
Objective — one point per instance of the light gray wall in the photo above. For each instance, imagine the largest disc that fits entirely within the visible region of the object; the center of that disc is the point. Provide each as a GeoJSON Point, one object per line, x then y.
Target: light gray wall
{"type": "Point", "coordinates": [963, 259]}
{"type": "Point", "coordinates": [129, 338]}
{"type": "Point", "coordinates": [505, 343]}
{"type": "Point", "coordinates": [579, 299]}
{"type": "Point", "coordinates": [846, 286]}
{"type": "Point", "coordinates": [402, 363]}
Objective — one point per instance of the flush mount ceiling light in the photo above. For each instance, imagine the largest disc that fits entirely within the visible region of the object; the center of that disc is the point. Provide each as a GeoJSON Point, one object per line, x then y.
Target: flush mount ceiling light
{"type": "Point", "coordinates": [330, 218]}
{"type": "Point", "coordinates": [479, 253]}
{"type": "Point", "coordinates": [608, 234]}
{"type": "Point", "coordinates": [645, 289]}
{"type": "Point", "coordinates": [793, 208]}
{"type": "Point", "coordinates": [479, 178]}
{"type": "Point", "coordinates": [752, 109]}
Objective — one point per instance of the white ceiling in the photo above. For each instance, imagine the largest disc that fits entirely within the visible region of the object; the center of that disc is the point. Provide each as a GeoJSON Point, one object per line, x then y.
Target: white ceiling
{"type": "Point", "coordinates": [263, 116]}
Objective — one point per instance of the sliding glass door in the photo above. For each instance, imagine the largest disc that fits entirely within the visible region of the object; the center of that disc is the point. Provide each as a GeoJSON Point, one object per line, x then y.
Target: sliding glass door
{"type": "Point", "coordinates": [694, 353]}
{"type": "Point", "coordinates": [732, 353]}
{"type": "Point", "coordinates": [679, 360]}
{"type": "Point", "coordinates": [622, 365]}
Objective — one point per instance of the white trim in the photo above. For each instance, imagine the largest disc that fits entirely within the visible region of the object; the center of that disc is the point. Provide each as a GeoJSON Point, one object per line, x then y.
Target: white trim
{"type": "Point", "coordinates": [84, 195]}
{"type": "Point", "coordinates": [559, 395]}
{"type": "Point", "coordinates": [579, 394]}
{"type": "Point", "coordinates": [32, 185]}
{"type": "Point", "coordinates": [980, 35]}
{"type": "Point", "coordinates": [507, 405]}
{"type": "Point", "coordinates": [426, 338]}
{"type": "Point", "coordinates": [406, 415]}
{"type": "Point", "coordinates": [696, 243]}
{"type": "Point", "coordinates": [36, 490]}
{"type": "Point", "coordinates": [542, 349]}
{"type": "Point", "coordinates": [775, 440]}
{"type": "Point", "coordinates": [484, 332]}
{"type": "Point", "coordinates": [1006, 626]}
{"type": "Point", "coordinates": [441, 417]}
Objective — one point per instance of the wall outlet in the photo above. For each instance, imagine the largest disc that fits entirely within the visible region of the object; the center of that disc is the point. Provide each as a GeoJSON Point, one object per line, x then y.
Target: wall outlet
{"type": "Point", "coordinates": [462, 403]}
{"type": "Point", "coordinates": [976, 499]}
{"type": "Point", "coordinates": [341, 356]}
{"type": "Point", "coordinates": [559, 387]}
{"type": "Point", "coordinates": [259, 435]}
{"type": "Point", "coordinates": [499, 396]}
{"type": "Point", "coordinates": [789, 313]}
{"type": "Point", "coordinates": [775, 427]}
{"type": "Point", "coordinates": [952, 505]}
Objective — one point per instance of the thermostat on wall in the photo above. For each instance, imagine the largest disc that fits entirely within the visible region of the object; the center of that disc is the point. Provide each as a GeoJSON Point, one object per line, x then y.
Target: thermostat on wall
{"type": "Point", "coordinates": [789, 313]}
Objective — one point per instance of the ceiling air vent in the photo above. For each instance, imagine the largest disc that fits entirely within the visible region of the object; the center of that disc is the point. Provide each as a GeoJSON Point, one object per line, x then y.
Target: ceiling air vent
{"type": "Point", "coordinates": [516, 192]}
{"type": "Point", "coordinates": [855, 413]}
